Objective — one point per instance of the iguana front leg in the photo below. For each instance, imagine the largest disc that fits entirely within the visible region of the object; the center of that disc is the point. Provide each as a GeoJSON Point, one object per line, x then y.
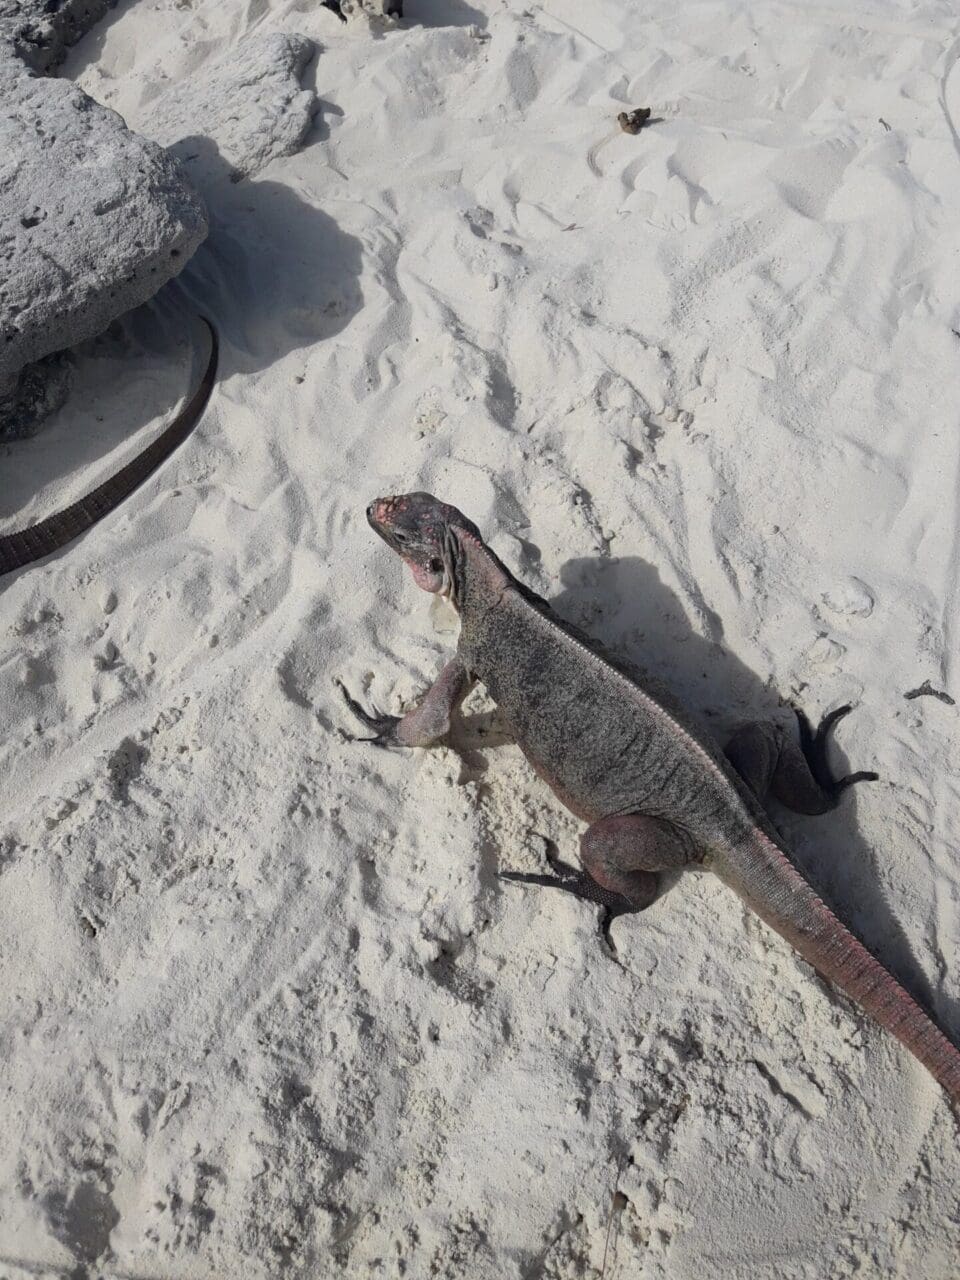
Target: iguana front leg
{"type": "Point", "coordinates": [799, 777]}
{"type": "Point", "coordinates": [427, 723]}
{"type": "Point", "coordinates": [621, 856]}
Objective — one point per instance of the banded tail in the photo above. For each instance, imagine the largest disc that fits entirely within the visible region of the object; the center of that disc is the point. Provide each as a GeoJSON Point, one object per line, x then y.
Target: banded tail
{"type": "Point", "coordinates": [56, 531]}
{"type": "Point", "coordinates": [765, 878]}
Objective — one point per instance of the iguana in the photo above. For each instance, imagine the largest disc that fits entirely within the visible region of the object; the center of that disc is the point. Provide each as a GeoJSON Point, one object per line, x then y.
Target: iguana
{"type": "Point", "coordinates": [49, 535]}
{"type": "Point", "coordinates": [658, 793]}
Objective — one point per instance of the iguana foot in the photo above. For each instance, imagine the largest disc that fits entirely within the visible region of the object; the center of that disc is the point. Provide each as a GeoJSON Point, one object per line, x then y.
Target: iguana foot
{"type": "Point", "coordinates": [799, 777]}
{"type": "Point", "coordinates": [621, 855]}
{"type": "Point", "coordinates": [384, 726]}
{"type": "Point", "coordinates": [814, 747]}
{"type": "Point", "coordinates": [582, 885]}
{"type": "Point", "coordinates": [424, 725]}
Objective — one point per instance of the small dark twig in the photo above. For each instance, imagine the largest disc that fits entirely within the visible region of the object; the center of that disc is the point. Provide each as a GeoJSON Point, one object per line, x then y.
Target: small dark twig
{"type": "Point", "coordinates": [926, 690]}
{"type": "Point", "coordinates": [617, 1206]}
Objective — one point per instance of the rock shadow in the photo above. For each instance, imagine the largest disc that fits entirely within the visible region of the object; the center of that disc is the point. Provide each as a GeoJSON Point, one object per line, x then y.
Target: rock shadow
{"type": "Point", "coordinates": [320, 125]}
{"type": "Point", "coordinates": [275, 275]}
{"type": "Point", "coordinates": [624, 604]}
{"type": "Point", "coordinates": [419, 13]}
{"type": "Point", "coordinates": [442, 13]}
{"type": "Point", "coordinates": [86, 51]}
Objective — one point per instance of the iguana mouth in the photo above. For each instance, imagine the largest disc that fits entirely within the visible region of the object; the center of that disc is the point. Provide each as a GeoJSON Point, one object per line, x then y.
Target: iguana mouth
{"type": "Point", "coordinates": [426, 576]}
{"type": "Point", "coordinates": [381, 509]}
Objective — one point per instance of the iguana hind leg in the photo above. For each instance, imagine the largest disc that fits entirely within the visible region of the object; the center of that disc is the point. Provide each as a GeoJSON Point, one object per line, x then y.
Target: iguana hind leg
{"type": "Point", "coordinates": [799, 777]}
{"type": "Point", "coordinates": [621, 856]}
{"type": "Point", "coordinates": [428, 722]}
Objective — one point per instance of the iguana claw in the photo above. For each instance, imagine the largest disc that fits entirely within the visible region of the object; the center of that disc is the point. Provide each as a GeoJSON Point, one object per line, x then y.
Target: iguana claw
{"type": "Point", "coordinates": [583, 886]}
{"type": "Point", "coordinates": [813, 744]}
{"type": "Point", "coordinates": [579, 884]}
{"type": "Point", "coordinates": [385, 726]}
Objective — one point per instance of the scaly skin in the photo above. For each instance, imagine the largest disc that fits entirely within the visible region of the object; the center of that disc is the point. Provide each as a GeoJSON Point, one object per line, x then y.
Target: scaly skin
{"type": "Point", "coordinates": [657, 793]}
{"type": "Point", "coordinates": [56, 531]}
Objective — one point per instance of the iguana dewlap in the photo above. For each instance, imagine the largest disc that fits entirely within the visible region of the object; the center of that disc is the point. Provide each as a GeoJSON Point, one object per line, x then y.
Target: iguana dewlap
{"type": "Point", "coordinates": [657, 794]}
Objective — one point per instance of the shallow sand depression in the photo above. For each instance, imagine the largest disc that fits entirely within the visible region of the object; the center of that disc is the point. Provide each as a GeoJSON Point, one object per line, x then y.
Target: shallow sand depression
{"type": "Point", "coordinates": [266, 1009]}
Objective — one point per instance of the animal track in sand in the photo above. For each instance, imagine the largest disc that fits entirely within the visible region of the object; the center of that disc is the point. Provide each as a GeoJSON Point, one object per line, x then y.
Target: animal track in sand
{"type": "Point", "coordinates": [631, 122]}
{"type": "Point", "coordinates": [460, 982]}
{"type": "Point", "coordinates": [597, 148]}
{"type": "Point", "coordinates": [188, 1216]}
{"type": "Point", "coordinates": [849, 599]}
{"type": "Point", "coordinates": [824, 652]}
{"type": "Point", "coordinates": [124, 765]}
{"type": "Point", "coordinates": [37, 671]}
{"type": "Point", "coordinates": [82, 1221]}
{"type": "Point", "coordinates": [62, 809]}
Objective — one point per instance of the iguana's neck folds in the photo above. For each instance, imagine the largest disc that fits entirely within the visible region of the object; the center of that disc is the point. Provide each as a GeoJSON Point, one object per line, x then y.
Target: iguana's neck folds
{"type": "Point", "coordinates": [479, 579]}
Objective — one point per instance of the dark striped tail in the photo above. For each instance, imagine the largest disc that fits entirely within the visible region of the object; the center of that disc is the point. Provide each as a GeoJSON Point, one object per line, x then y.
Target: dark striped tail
{"type": "Point", "coordinates": [49, 535]}
{"type": "Point", "coordinates": [772, 886]}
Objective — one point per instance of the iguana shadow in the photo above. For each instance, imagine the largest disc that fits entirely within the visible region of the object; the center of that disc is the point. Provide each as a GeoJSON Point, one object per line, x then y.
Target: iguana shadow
{"type": "Point", "coordinates": [624, 605]}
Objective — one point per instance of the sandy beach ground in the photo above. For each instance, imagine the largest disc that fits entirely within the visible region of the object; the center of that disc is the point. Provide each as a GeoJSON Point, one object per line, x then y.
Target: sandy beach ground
{"type": "Point", "coordinates": [265, 1008]}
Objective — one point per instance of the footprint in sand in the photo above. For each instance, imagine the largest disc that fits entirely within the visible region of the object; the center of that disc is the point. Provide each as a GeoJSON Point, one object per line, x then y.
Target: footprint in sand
{"type": "Point", "coordinates": [597, 148]}
{"type": "Point", "coordinates": [849, 599]}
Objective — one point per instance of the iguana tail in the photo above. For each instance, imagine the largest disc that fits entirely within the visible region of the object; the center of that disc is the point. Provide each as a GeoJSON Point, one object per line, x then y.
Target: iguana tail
{"type": "Point", "coordinates": [772, 886]}
{"type": "Point", "coordinates": [39, 540]}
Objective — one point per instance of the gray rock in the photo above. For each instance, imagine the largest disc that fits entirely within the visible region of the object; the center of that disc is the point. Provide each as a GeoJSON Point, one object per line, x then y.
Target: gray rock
{"type": "Point", "coordinates": [40, 389]}
{"type": "Point", "coordinates": [249, 104]}
{"type": "Point", "coordinates": [370, 9]}
{"type": "Point", "coordinates": [40, 31]}
{"type": "Point", "coordinates": [93, 219]}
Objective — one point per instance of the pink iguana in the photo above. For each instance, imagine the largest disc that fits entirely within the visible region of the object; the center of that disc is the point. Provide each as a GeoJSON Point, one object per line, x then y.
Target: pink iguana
{"type": "Point", "coordinates": [657, 793]}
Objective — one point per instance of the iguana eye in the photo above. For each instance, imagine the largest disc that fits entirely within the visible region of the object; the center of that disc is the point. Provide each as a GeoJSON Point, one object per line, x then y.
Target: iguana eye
{"type": "Point", "coordinates": [399, 535]}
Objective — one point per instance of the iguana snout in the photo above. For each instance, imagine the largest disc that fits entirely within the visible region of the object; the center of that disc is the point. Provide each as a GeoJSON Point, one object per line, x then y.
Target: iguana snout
{"type": "Point", "coordinates": [419, 528]}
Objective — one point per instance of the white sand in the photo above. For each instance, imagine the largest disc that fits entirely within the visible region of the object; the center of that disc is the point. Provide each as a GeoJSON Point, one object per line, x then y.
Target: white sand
{"type": "Point", "coordinates": [265, 1009]}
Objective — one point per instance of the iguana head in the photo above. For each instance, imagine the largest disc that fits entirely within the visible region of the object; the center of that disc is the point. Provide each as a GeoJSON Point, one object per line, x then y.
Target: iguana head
{"type": "Point", "coordinates": [423, 532]}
